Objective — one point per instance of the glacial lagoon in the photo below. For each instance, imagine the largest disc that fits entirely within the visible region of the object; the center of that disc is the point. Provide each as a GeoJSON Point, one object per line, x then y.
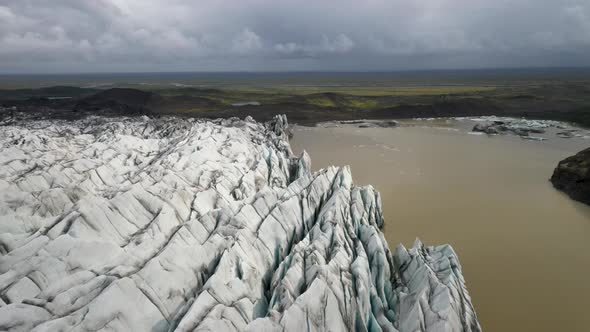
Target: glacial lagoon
{"type": "Point", "coordinates": [524, 246]}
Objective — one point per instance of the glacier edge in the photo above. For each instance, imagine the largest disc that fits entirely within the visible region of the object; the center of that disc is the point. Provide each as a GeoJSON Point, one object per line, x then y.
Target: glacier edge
{"type": "Point", "coordinates": [144, 224]}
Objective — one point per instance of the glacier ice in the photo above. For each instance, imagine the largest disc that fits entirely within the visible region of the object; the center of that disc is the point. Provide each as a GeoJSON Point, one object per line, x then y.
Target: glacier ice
{"type": "Point", "coordinates": [167, 224]}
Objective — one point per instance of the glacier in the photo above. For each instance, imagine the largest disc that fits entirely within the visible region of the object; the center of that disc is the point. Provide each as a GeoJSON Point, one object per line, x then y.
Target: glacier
{"type": "Point", "coordinates": [169, 224]}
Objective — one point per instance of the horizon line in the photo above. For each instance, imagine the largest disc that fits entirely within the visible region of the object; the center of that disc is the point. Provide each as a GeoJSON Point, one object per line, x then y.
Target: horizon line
{"type": "Point", "coordinates": [302, 71]}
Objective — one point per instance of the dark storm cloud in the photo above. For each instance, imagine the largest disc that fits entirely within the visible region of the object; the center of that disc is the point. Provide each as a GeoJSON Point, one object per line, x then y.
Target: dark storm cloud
{"type": "Point", "coordinates": [169, 35]}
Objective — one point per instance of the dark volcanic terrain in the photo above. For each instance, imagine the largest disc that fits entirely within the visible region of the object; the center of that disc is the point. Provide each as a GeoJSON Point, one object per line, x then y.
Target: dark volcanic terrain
{"type": "Point", "coordinates": [572, 176]}
{"type": "Point", "coordinates": [552, 99]}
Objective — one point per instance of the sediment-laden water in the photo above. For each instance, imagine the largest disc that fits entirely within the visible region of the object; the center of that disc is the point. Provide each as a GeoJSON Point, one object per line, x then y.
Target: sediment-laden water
{"type": "Point", "coordinates": [524, 246]}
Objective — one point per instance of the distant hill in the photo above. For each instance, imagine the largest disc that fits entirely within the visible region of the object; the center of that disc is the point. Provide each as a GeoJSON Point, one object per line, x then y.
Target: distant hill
{"type": "Point", "coordinates": [120, 100]}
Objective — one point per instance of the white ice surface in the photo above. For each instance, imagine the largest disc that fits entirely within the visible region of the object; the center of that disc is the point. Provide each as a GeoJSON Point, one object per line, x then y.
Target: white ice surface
{"type": "Point", "coordinates": [182, 225]}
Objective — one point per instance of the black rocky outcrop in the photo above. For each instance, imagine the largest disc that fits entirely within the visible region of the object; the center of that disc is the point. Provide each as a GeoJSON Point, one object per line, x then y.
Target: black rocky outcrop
{"type": "Point", "coordinates": [572, 176]}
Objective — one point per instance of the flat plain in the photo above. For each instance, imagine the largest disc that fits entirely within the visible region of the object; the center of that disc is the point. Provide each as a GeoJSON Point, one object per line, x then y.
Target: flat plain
{"type": "Point", "coordinates": [308, 98]}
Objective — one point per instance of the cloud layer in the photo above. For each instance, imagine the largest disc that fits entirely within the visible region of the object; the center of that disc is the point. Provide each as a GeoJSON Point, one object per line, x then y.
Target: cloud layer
{"type": "Point", "coordinates": [228, 35]}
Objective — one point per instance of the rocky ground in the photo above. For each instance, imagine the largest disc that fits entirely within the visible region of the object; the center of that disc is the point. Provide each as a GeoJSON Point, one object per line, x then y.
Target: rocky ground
{"type": "Point", "coordinates": [142, 224]}
{"type": "Point", "coordinates": [572, 175]}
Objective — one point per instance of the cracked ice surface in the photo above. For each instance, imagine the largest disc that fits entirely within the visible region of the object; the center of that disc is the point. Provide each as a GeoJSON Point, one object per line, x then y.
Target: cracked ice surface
{"type": "Point", "coordinates": [181, 225]}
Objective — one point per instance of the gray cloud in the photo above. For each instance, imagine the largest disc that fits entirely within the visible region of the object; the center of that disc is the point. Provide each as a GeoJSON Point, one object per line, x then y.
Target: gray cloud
{"type": "Point", "coordinates": [208, 35]}
{"type": "Point", "coordinates": [340, 44]}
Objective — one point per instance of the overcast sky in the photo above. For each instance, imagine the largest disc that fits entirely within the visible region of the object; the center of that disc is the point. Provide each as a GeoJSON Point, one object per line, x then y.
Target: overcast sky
{"type": "Point", "coordinates": [272, 35]}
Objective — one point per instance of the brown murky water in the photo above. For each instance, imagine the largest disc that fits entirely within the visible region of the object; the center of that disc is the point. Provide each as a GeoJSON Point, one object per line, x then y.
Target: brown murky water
{"type": "Point", "coordinates": [524, 247]}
